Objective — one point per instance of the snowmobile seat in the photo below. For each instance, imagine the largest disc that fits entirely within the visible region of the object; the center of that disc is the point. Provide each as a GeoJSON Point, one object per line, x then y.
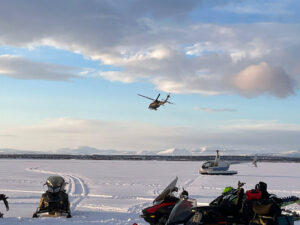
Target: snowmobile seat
{"type": "Point", "coordinates": [266, 207]}
{"type": "Point", "coordinates": [52, 201]}
{"type": "Point", "coordinates": [266, 212]}
{"type": "Point", "coordinates": [54, 204]}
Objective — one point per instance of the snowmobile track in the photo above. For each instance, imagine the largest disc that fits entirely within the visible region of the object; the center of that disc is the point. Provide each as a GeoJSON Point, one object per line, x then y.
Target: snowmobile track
{"type": "Point", "coordinates": [79, 191]}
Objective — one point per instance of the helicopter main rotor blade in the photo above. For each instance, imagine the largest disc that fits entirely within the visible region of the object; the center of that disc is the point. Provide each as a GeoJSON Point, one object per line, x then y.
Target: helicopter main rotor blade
{"type": "Point", "coordinates": [157, 97]}
{"type": "Point", "coordinates": [146, 97]}
{"type": "Point", "coordinates": [169, 102]}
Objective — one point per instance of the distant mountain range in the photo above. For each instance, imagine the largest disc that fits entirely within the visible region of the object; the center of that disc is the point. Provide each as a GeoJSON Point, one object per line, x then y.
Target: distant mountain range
{"type": "Point", "coordinates": [85, 150]}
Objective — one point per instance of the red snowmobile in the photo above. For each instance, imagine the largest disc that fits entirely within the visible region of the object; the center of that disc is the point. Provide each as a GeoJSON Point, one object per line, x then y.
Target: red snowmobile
{"type": "Point", "coordinates": [163, 204]}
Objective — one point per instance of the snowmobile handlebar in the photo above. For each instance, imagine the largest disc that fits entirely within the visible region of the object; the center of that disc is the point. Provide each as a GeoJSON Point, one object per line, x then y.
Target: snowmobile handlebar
{"type": "Point", "coordinates": [240, 184]}
{"type": "Point", "coordinates": [4, 198]}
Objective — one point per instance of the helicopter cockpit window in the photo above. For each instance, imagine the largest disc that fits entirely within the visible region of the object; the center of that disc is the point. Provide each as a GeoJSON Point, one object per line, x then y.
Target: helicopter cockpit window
{"type": "Point", "coordinates": [206, 165]}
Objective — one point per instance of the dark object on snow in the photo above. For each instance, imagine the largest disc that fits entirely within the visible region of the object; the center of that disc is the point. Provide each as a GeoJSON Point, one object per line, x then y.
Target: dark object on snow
{"type": "Point", "coordinates": [235, 207]}
{"type": "Point", "coordinates": [4, 199]}
{"type": "Point", "coordinates": [223, 210]}
{"type": "Point", "coordinates": [55, 200]}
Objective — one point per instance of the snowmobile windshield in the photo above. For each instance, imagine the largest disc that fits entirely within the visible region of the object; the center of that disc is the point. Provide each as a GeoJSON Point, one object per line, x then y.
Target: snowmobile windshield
{"type": "Point", "coordinates": [182, 212]}
{"type": "Point", "coordinates": [168, 190]}
{"type": "Point", "coordinates": [55, 184]}
{"type": "Point", "coordinates": [226, 189]}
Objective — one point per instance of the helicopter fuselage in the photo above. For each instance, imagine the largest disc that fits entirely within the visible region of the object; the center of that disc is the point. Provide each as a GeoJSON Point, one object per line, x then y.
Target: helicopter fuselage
{"type": "Point", "coordinates": [155, 104]}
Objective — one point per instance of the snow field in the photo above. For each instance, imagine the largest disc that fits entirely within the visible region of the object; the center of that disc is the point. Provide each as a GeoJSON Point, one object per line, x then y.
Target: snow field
{"type": "Point", "coordinates": [115, 192]}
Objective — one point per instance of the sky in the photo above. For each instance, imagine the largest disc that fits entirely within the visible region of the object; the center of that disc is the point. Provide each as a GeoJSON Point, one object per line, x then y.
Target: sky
{"type": "Point", "coordinates": [70, 72]}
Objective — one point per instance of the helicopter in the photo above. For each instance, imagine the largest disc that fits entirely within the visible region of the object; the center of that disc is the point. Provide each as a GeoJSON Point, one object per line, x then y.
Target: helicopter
{"type": "Point", "coordinates": [157, 103]}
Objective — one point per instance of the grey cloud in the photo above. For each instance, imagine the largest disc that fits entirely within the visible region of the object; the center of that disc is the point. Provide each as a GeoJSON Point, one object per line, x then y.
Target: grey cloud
{"type": "Point", "coordinates": [21, 68]}
{"type": "Point", "coordinates": [164, 9]}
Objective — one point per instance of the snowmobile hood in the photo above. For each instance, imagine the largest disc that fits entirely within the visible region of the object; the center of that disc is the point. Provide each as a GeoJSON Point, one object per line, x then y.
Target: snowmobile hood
{"type": "Point", "coordinates": [55, 183]}
{"type": "Point", "coordinates": [226, 189]}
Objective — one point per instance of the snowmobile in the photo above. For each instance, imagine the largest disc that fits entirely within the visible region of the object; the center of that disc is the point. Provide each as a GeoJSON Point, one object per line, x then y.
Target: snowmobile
{"type": "Point", "coordinates": [163, 204]}
{"type": "Point", "coordinates": [186, 212]}
{"type": "Point", "coordinates": [4, 199]}
{"type": "Point", "coordinates": [233, 207]}
{"type": "Point", "coordinates": [55, 201]}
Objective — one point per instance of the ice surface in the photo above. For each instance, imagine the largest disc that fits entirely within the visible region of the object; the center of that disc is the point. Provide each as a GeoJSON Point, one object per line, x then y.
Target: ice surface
{"type": "Point", "coordinates": [115, 192]}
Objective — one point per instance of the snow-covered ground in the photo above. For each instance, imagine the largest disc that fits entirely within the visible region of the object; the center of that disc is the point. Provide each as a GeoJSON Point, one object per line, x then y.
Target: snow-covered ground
{"type": "Point", "coordinates": [115, 192]}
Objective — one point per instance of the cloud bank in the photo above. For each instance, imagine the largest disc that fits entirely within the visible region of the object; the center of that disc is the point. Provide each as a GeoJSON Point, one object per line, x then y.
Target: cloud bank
{"type": "Point", "coordinates": [155, 41]}
{"type": "Point", "coordinates": [59, 133]}
{"type": "Point", "coordinates": [22, 68]}
{"type": "Point", "coordinates": [215, 109]}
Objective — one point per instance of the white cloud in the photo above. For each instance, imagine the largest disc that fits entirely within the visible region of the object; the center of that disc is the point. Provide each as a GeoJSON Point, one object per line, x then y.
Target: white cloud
{"type": "Point", "coordinates": [264, 79]}
{"type": "Point", "coordinates": [202, 48]}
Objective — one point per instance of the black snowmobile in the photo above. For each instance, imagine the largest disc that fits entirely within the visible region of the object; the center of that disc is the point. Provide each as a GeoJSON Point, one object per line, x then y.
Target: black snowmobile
{"type": "Point", "coordinates": [256, 207]}
{"type": "Point", "coordinates": [4, 199]}
{"type": "Point", "coordinates": [55, 201]}
{"type": "Point", "coordinates": [185, 212]}
{"type": "Point", "coordinates": [163, 204]}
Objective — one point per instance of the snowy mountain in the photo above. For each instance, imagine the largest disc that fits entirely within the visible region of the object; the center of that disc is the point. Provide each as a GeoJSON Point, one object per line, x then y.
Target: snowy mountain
{"type": "Point", "coordinates": [174, 151]}
{"type": "Point", "coordinates": [204, 151]}
{"type": "Point", "coordinates": [293, 153]}
{"type": "Point", "coordinates": [85, 150]}
{"type": "Point", "coordinates": [15, 151]}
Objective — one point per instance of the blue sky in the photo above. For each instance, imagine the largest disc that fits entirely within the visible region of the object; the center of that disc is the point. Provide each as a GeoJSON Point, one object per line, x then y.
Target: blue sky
{"type": "Point", "coordinates": [70, 78]}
